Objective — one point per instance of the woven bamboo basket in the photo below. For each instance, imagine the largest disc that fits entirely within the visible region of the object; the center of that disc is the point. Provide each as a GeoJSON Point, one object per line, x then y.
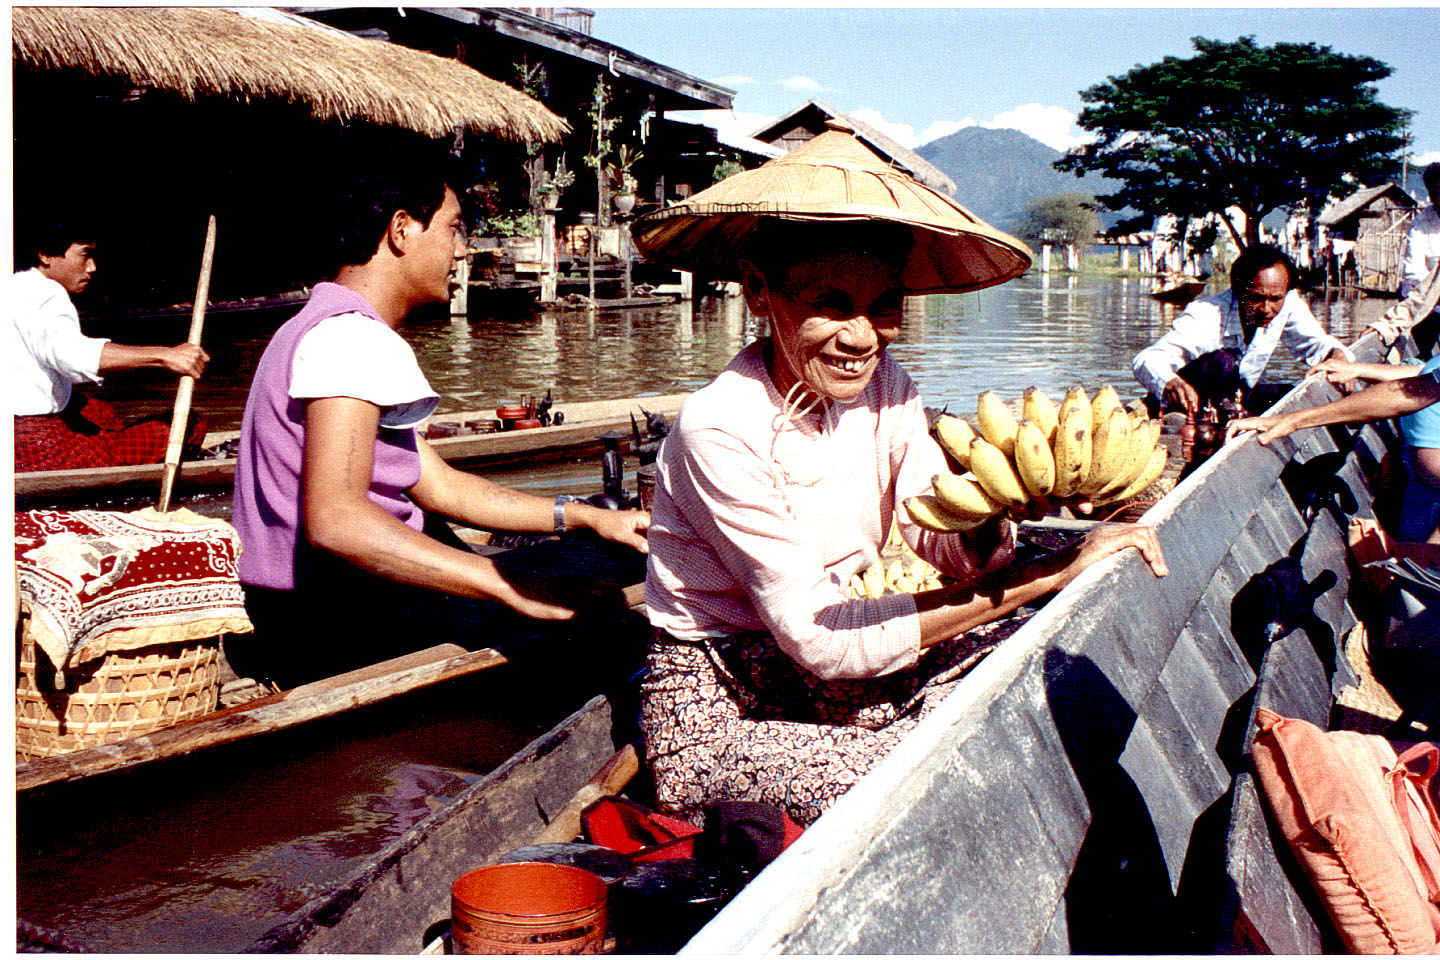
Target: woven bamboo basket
{"type": "Point", "coordinates": [126, 693]}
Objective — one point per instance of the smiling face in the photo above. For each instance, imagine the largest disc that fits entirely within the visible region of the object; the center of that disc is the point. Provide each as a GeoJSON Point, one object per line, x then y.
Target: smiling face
{"type": "Point", "coordinates": [831, 318]}
{"type": "Point", "coordinates": [73, 268]}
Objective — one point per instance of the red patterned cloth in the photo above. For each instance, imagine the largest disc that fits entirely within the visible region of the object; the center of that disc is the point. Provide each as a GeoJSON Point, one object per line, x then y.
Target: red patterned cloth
{"type": "Point", "coordinates": [90, 434]}
{"type": "Point", "coordinates": [96, 581]}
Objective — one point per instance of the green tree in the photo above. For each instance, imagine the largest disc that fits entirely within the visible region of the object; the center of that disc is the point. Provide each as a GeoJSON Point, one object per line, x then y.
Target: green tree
{"type": "Point", "coordinates": [1239, 125]}
{"type": "Point", "coordinates": [1063, 218]}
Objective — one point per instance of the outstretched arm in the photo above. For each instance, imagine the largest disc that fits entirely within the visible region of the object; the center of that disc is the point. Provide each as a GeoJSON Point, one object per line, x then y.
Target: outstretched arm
{"type": "Point", "coordinates": [186, 359]}
{"type": "Point", "coordinates": [340, 518]}
{"type": "Point", "coordinates": [1393, 399]}
{"type": "Point", "coordinates": [479, 502]}
{"type": "Point", "coordinates": [952, 610]}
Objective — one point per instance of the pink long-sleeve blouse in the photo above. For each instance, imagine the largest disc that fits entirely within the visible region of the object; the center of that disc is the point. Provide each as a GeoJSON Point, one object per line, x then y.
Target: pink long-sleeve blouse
{"type": "Point", "coordinates": [760, 519]}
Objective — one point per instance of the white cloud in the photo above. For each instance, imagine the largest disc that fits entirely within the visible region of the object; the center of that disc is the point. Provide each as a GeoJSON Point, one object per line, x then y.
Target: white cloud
{"type": "Point", "coordinates": [943, 128]}
{"type": "Point", "coordinates": [901, 133]}
{"type": "Point", "coordinates": [731, 125]}
{"type": "Point", "coordinates": [1052, 126]}
{"type": "Point", "coordinates": [734, 81]}
{"type": "Point", "coordinates": [802, 85]}
{"type": "Point", "coordinates": [1425, 159]}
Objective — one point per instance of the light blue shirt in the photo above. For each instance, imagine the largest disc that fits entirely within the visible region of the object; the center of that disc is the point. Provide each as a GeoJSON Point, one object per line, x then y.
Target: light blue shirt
{"type": "Point", "coordinates": [1422, 428]}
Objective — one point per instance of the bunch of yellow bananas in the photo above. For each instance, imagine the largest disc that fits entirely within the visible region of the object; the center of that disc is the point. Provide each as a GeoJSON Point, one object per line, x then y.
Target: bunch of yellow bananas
{"type": "Point", "coordinates": [906, 573]}
{"type": "Point", "coordinates": [1087, 450]}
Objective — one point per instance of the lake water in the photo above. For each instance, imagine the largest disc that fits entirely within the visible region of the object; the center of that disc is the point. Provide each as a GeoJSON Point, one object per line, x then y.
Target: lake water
{"type": "Point", "coordinates": [1045, 331]}
{"type": "Point", "coordinates": [1048, 331]}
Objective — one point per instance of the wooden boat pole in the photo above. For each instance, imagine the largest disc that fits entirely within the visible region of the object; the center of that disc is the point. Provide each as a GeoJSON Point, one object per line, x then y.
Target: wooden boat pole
{"type": "Point", "coordinates": [187, 384]}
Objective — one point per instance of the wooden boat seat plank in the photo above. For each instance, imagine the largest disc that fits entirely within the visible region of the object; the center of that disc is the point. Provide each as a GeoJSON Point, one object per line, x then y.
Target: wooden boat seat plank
{"type": "Point", "coordinates": [278, 712]}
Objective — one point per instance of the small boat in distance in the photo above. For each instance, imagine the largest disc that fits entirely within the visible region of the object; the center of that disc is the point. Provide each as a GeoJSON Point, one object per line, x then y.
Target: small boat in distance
{"type": "Point", "coordinates": [1178, 288]}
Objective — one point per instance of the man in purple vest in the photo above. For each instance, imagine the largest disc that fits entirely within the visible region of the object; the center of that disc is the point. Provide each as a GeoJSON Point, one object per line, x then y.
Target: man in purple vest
{"type": "Point", "coordinates": [333, 483]}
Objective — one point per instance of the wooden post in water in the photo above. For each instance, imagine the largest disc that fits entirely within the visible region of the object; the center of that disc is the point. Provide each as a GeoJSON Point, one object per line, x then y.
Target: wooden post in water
{"type": "Point", "coordinates": [549, 268]}
{"type": "Point", "coordinates": [460, 296]}
{"type": "Point", "coordinates": [594, 227]}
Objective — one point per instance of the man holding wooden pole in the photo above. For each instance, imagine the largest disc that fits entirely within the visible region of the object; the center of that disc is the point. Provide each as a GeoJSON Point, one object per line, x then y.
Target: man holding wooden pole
{"type": "Point", "coordinates": [56, 428]}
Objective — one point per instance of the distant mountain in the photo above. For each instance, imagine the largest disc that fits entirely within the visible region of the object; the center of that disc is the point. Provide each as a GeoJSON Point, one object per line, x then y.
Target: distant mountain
{"type": "Point", "coordinates": [997, 173]}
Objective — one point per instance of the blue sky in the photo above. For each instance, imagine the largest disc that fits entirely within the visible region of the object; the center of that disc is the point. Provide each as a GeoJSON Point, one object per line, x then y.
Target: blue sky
{"type": "Point", "coordinates": [922, 73]}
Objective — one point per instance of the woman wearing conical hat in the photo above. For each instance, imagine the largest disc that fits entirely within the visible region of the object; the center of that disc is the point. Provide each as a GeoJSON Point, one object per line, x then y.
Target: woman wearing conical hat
{"type": "Point", "coordinates": [766, 680]}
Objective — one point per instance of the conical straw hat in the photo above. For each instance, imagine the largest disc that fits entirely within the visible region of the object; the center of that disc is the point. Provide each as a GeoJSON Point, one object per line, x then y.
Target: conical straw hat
{"type": "Point", "coordinates": [834, 177]}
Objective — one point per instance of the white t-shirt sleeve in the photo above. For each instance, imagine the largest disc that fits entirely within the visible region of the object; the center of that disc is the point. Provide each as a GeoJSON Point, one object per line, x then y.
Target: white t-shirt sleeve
{"type": "Point", "coordinates": [351, 355]}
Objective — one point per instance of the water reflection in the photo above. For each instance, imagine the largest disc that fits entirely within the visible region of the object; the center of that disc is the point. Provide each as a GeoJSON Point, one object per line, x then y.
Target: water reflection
{"type": "Point", "coordinates": [1051, 331]}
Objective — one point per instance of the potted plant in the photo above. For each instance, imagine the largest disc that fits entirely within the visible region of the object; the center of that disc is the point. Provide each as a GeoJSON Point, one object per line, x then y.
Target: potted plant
{"type": "Point", "coordinates": [623, 179]}
{"type": "Point", "coordinates": [553, 184]}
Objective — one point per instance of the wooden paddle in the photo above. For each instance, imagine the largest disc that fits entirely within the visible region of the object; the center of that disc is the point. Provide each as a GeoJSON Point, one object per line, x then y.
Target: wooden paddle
{"type": "Point", "coordinates": [187, 384]}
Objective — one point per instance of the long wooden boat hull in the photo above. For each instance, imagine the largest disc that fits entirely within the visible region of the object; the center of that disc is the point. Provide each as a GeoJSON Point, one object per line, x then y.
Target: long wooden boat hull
{"type": "Point", "coordinates": [1076, 792]}
{"type": "Point", "coordinates": [578, 436]}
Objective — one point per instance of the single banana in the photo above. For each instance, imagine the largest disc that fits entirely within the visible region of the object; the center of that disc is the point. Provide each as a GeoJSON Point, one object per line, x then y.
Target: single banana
{"type": "Point", "coordinates": [905, 584]}
{"type": "Point", "coordinates": [894, 571]}
{"type": "Point", "coordinates": [1106, 400]}
{"type": "Point", "coordinates": [1143, 436]}
{"type": "Point", "coordinates": [955, 435]}
{"type": "Point", "coordinates": [927, 513]}
{"type": "Point", "coordinates": [1040, 410]}
{"type": "Point", "coordinates": [875, 580]}
{"type": "Point", "coordinates": [857, 587]}
{"type": "Point", "coordinates": [1076, 396]}
{"type": "Point", "coordinates": [1158, 458]}
{"type": "Point", "coordinates": [992, 468]}
{"type": "Point", "coordinates": [997, 423]}
{"type": "Point", "coordinates": [964, 497]}
{"type": "Point", "coordinates": [1108, 449]}
{"type": "Point", "coordinates": [1034, 460]}
{"type": "Point", "coordinates": [1072, 447]}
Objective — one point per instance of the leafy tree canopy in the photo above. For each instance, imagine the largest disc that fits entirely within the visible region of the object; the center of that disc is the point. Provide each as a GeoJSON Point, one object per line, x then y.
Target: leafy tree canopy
{"type": "Point", "coordinates": [1239, 125]}
{"type": "Point", "coordinates": [1063, 218]}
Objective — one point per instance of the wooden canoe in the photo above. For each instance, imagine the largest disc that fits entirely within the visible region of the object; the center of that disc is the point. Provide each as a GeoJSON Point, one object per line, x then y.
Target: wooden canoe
{"type": "Point", "coordinates": [1179, 290]}
{"type": "Point", "coordinates": [1086, 788]}
{"type": "Point", "coordinates": [275, 712]}
{"type": "Point", "coordinates": [578, 436]}
{"type": "Point", "coordinates": [397, 901]}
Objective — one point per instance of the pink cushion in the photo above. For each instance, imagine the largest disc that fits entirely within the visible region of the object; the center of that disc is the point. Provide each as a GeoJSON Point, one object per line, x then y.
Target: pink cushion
{"type": "Point", "coordinates": [1373, 858]}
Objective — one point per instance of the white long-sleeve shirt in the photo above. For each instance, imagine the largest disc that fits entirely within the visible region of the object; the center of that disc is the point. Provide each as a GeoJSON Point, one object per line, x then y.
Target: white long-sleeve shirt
{"type": "Point", "coordinates": [1422, 249]}
{"type": "Point", "coordinates": [1213, 323]}
{"type": "Point", "coordinates": [46, 352]}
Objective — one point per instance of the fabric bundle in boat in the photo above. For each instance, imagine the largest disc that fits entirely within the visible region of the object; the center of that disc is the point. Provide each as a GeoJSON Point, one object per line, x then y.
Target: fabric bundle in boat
{"type": "Point", "coordinates": [834, 177]}
{"type": "Point", "coordinates": [1360, 815]}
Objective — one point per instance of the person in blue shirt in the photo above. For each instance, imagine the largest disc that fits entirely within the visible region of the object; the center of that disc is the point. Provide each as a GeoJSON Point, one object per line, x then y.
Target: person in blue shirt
{"type": "Point", "coordinates": [1406, 391]}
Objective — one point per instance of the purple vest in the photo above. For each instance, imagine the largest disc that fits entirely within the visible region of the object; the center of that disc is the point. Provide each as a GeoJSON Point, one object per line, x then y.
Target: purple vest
{"type": "Point", "coordinates": [272, 446]}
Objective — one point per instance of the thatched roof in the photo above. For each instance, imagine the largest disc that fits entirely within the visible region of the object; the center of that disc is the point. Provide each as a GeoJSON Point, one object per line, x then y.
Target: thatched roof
{"type": "Point", "coordinates": [209, 51]}
{"type": "Point", "coordinates": [1361, 199]}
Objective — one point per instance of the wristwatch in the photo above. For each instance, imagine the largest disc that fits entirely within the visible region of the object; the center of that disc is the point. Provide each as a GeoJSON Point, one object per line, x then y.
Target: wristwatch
{"type": "Point", "coordinates": [560, 502]}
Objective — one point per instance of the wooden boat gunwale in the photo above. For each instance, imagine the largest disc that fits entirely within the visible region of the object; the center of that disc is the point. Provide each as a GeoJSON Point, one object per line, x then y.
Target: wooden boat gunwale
{"type": "Point", "coordinates": [573, 436]}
